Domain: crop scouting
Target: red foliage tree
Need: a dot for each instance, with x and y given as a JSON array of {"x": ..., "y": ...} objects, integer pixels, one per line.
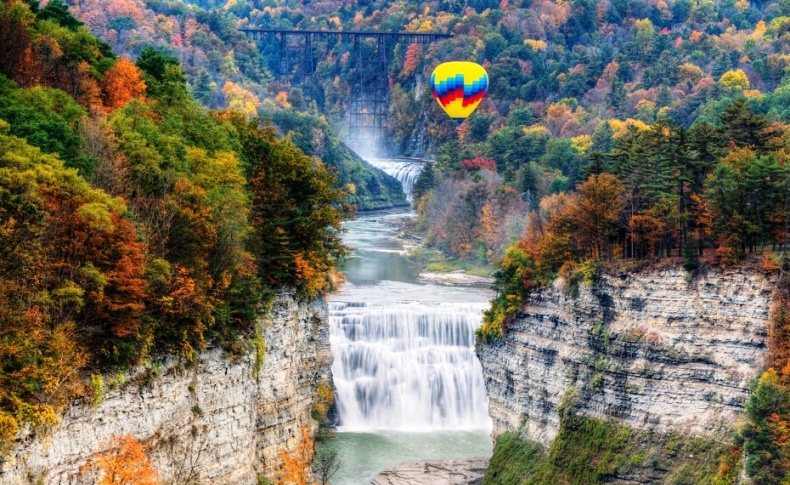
[
  {"x": 478, "y": 163},
  {"x": 412, "y": 58}
]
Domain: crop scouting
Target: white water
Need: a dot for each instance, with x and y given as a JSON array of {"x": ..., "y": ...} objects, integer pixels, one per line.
[
  {"x": 407, "y": 365},
  {"x": 406, "y": 171}
]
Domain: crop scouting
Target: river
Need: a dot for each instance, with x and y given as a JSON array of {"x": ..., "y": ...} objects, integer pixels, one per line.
[{"x": 408, "y": 384}]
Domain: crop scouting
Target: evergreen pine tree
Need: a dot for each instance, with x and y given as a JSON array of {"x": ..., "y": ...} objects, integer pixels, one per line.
[
  {"x": 425, "y": 182},
  {"x": 706, "y": 146},
  {"x": 744, "y": 128},
  {"x": 596, "y": 165},
  {"x": 721, "y": 65},
  {"x": 664, "y": 97},
  {"x": 602, "y": 137},
  {"x": 617, "y": 95},
  {"x": 203, "y": 87}
]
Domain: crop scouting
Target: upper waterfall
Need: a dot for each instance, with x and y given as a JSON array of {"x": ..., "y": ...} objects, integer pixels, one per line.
[{"x": 406, "y": 171}]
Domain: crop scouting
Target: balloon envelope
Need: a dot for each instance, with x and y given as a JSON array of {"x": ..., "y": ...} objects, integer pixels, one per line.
[{"x": 459, "y": 86}]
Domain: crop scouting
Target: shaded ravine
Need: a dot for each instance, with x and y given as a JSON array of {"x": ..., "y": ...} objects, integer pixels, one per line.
[{"x": 408, "y": 384}]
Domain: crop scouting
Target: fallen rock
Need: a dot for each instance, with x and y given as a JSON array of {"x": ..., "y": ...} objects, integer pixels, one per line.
[{"x": 461, "y": 471}]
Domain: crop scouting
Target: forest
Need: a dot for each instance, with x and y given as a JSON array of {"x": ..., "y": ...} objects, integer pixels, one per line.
[
  {"x": 570, "y": 80},
  {"x": 135, "y": 223},
  {"x": 147, "y": 209}
]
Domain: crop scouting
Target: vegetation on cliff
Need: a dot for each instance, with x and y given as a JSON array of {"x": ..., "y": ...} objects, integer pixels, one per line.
[
  {"x": 134, "y": 222},
  {"x": 588, "y": 451},
  {"x": 661, "y": 191}
]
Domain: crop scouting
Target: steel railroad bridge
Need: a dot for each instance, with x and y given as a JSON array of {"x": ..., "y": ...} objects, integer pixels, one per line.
[{"x": 369, "y": 82}]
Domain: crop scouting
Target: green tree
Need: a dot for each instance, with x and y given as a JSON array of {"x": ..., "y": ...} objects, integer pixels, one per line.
[
  {"x": 767, "y": 409},
  {"x": 47, "y": 118},
  {"x": 617, "y": 95},
  {"x": 746, "y": 129},
  {"x": 58, "y": 11},
  {"x": 163, "y": 76},
  {"x": 204, "y": 87},
  {"x": 425, "y": 182},
  {"x": 296, "y": 211}
]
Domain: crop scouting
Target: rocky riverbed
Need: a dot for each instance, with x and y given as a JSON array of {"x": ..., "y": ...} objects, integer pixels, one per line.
[
  {"x": 456, "y": 278},
  {"x": 466, "y": 471}
]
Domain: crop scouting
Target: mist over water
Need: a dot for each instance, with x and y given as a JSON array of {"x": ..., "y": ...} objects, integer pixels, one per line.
[{"x": 404, "y": 170}]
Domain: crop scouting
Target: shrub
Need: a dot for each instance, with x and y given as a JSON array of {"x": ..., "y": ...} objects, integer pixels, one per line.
[
  {"x": 97, "y": 390},
  {"x": 8, "y": 431}
]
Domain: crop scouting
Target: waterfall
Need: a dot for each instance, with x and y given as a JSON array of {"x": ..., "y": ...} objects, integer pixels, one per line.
[
  {"x": 407, "y": 365},
  {"x": 406, "y": 171}
]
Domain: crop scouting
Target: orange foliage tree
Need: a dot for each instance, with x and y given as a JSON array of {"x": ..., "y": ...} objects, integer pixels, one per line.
[
  {"x": 122, "y": 461},
  {"x": 597, "y": 213},
  {"x": 15, "y": 21},
  {"x": 295, "y": 466},
  {"x": 122, "y": 83}
]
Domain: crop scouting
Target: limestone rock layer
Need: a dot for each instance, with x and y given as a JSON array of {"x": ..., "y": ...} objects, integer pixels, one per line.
[
  {"x": 658, "y": 350},
  {"x": 213, "y": 422}
]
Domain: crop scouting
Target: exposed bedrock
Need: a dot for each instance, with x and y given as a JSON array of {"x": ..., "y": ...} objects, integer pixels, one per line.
[
  {"x": 214, "y": 422},
  {"x": 656, "y": 350}
]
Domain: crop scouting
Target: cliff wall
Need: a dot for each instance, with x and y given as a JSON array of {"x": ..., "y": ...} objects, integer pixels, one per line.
[
  {"x": 658, "y": 351},
  {"x": 213, "y": 422}
]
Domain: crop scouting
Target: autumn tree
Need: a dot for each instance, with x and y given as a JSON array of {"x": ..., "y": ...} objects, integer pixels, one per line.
[
  {"x": 296, "y": 211},
  {"x": 597, "y": 213},
  {"x": 18, "y": 60},
  {"x": 71, "y": 270},
  {"x": 294, "y": 468},
  {"x": 412, "y": 58},
  {"x": 121, "y": 460},
  {"x": 122, "y": 83}
]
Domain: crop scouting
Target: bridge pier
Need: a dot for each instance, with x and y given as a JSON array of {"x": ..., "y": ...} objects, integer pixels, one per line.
[{"x": 366, "y": 115}]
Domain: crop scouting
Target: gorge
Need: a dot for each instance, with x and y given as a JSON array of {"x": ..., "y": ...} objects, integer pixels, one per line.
[
  {"x": 658, "y": 351},
  {"x": 177, "y": 206}
]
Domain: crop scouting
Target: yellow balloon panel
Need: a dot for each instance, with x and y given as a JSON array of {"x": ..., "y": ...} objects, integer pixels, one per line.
[{"x": 458, "y": 87}]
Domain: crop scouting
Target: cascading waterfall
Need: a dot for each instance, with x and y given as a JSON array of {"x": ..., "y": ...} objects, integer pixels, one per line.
[
  {"x": 407, "y": 365},
  {"x": 405, "y": 171}
]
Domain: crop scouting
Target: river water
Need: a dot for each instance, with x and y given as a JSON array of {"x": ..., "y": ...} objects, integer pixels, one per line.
[{"x": 408, "y": 384}]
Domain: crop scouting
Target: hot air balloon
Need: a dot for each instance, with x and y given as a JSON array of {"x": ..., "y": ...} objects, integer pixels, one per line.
[{"x": 459, "y": 86}]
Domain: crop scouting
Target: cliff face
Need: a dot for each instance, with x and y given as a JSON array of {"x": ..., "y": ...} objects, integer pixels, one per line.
[
  {"x": 657, "y": 350},
  {"x": 213, "y": 423}
]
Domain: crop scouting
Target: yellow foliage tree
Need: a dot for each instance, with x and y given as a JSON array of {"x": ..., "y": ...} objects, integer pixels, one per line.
[
  {"x": 691, "y": 73},
  {"x": 582, "y": 143},
  {"x": 241, "y": 100},
  {"x": 535, "y": 45},
  {"x": 8, "y": 431},
  {"x": 735, "y": 79}
]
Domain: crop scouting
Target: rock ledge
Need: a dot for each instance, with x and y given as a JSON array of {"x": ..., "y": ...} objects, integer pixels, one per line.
[{"x": 461, "y": 471}]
